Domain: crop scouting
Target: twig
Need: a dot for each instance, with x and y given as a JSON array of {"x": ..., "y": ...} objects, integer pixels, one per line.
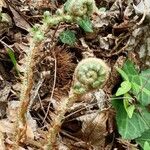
[{"x": 53, "y": 88}]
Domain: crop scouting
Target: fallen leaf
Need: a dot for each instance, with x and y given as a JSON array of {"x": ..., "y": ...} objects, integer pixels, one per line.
[
  {"x": 19, "y": 20},
  {"x": 6, "y": 126},
  {"x": 12, "y": 110},
  {"x": 94, "y": 128},
  {"x": 2, "y": 4},
  {"x": 4, "y": 92},
  {"x": 31, "y": 127},
  {"x": 2, "y": 141}
]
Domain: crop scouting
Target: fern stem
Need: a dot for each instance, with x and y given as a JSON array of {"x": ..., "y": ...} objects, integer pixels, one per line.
[
  {"x": 27, "y": 84},
  {"x": 90, "y": 74},
  {"x": 57, "y": 122},
  {"x": 65, "y": 15}
]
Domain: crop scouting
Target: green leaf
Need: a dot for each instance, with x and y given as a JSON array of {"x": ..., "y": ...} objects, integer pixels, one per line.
[
  {"x": 129, "y": 107},
  {"x": 131, "y": 128},
  {"x": 12, "y": 57},
  {"x": 146, "y": 146},
  {"x": 123, "y": 74},
  {"x": 141, "y": 89},
  {"x": 85, "y": 24},
  {"x": 67, "y": 37},
  {"x": 129, "y": 69},
  {"x": 140, "y": 82},
  {"x": 145, "y": 73},
  {"x": 125, "y": 87},
  {"x": 144, "y": 138}
]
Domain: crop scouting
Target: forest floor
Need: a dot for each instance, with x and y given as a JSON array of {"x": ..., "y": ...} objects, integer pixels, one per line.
[{"x": 38, "y": 66}]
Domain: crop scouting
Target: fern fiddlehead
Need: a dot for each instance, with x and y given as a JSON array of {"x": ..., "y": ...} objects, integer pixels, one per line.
[
  {"x": 91, "y": 73},
  {"x": 74, "y": 10},
  {"x": 79, "y": 8}
]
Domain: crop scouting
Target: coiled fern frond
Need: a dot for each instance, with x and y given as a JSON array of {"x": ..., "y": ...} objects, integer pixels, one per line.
[
  {"x": 80, "y": 7},
  {"x": 90, "y": 74}
]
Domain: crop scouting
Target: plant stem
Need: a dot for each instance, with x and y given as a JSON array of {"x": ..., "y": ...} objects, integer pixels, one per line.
[
  {"x": 27, "y": 84},
  {"x": 57, "y": 122}
]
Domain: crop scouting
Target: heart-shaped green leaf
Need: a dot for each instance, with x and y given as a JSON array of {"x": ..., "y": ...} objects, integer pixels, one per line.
[
  {"x": 129, "y": 107},
  {"x": 140, "y": 82},
  {"x": 144, "y": 138},
  {"x": 129, "y": 69},
  {"x": 123, "y": 74},
  {"x": 131, "y": 128},
  {"x": 141, "y": 89},
  {"x": 125, "y": 87}
]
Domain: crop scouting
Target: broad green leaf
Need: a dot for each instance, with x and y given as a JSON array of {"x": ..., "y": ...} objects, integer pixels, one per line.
[
  {"x": 145, "y": 73},
  {"x": 140, "y": 82},
  {"x": 123, "y": 74},
  {"x": 129, "y": 107},
  {"x": 85, "y": 24},
  {"x": 68, "y": 37},
  {"x": 144, "y": 138},
  {"x": 131, "y": 128},
  {"x": 141, "y": 89},
  {"x": 125, "y": 87},
  {"x": 129, "y": 69}
]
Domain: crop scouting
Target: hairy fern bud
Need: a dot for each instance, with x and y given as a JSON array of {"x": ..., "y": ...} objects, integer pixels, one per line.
[
  {"x": 80, "y": 8},
  {"x": 90, "y": 74}
]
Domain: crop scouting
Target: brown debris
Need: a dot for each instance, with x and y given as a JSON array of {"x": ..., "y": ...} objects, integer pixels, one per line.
[
  {"x": 120, "y": 33},
  {"x": 64, "y": 72}
]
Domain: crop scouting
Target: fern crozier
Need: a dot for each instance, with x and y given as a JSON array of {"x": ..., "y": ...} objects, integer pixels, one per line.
[
  {"x": 91, "y": 73},
  {"x": 80, "y": 7}
]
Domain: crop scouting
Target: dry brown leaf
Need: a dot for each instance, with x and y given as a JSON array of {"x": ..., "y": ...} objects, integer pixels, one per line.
[
  {"x": 94, "y": 128},
  {"x": 19, "y": 20},
  {"x": 62, "y": 146},
  {"x": 2, "y": 145},
  {"x": 12, "y": 110},
  {"x": 12, "y": 117},
  {"x": 21, "y": 148},
  {"x": 3, "y": 106},
  {"x": 31, "y": 127},
  {"x": 6, "y": 126},
  {"x": 5, "y": 23},
  {"x": 4, "y": 92},
  {"x": 29, "y": 132},
  {"x": 127, "y": 145},
  {"x": 2, "y": 4}
]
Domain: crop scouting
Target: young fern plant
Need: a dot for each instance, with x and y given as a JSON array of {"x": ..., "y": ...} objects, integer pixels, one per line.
[
  {"x": 66, "y": 14},
  {"x": 80, "y": 8},
  {"x": 90, "y": 74}
]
